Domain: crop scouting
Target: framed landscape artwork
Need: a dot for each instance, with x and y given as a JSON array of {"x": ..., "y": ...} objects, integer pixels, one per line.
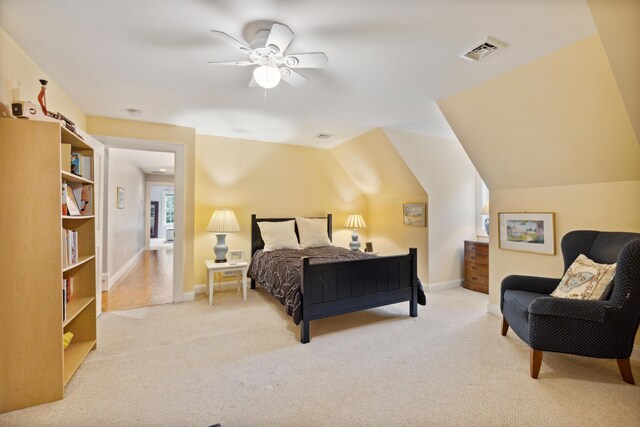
[
  {"x": 527, "y": 232},
  {"x": 415, "y": 214}
]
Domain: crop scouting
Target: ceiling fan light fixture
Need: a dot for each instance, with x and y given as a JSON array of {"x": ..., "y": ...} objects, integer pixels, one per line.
[{"x": 267, "y": 76}]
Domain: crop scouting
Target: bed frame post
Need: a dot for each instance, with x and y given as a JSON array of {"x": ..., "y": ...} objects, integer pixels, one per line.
[
  {"x": 254, "y": 224},
  {"x": 413, "y": 303},
  {"x": 304, "y": 322}
]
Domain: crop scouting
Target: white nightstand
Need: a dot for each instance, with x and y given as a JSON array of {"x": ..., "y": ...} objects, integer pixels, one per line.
[{"x": 221, "y": 267}]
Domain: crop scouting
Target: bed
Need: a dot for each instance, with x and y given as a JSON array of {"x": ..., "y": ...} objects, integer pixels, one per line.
[{"x": 316, "y": 283}]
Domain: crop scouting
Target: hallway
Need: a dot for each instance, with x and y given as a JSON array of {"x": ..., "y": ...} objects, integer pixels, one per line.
[{"x": 148, "y": 282}]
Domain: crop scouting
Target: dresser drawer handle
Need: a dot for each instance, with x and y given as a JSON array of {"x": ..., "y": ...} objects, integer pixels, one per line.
[
  {"x": 474, "y": 278},
  {"x": 474, "y": 267},
  {"x": 472, "y": 248},
  {"x": 473, "y": 257}
]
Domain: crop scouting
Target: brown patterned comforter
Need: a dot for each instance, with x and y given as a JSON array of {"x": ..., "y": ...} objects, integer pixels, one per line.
[{"x": 279, "y": 272}]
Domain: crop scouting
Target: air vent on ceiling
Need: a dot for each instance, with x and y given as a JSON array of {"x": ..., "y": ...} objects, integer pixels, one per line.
[
  {"x": 159, "y": 171},
  {"x": 324, "y": 135},
  {"x": 482, "y": 50}
]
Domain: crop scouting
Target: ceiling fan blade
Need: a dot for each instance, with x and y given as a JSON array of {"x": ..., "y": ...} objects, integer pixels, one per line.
[
  {"x": 231, "y": 41},
  {"x": 253, "y": 83},
  {"x": 239, "y": 63},
  {"x": 280, "y": 37},
  {"x": 306, "y": 60},
  {"x": 293, "y": 78}
]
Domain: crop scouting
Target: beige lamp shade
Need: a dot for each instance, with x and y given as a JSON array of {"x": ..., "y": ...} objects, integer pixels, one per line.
[
  {"x": 223, "y": 221},
  {"x": 355, "y": 220}
]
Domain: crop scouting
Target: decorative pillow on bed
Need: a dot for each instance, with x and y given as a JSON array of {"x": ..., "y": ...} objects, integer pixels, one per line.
[
  {"x": 313, "y": 232},
  {"x": 585, "y": 279},
  {"x": 279, "y": 235}
]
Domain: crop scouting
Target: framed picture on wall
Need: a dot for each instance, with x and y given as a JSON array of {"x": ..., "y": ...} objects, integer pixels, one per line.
[
  {"x": 527, "y": 232},
  {"x": 120, "y": 198},
  {"x": 415, "y": 214}
]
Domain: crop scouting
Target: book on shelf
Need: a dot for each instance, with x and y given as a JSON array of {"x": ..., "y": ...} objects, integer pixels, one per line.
[
  {"x": 86, "y": 167},
  {"x": 67, "y": 283},
  {"x": 76, "y": 163},
  {"x": 84, "y": 194},
  {"x": 64, "y": 304},
  {"x": 72, "y": 203},
  {"x": 69, "y": 247}
]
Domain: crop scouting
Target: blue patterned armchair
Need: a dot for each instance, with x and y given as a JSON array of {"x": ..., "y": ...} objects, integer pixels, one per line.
[{"x": 603, "y": 329}]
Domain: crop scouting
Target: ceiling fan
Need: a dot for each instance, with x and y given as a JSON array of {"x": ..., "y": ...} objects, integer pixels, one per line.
[{"x": 267, "y": 53}]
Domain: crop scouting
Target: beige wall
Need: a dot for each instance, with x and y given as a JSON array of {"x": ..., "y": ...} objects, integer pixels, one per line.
[
  {"x": 446, "y": 173},
  {"x": 169, "y": 134},
  {"x": 558, "y": 120},
  {"x": 383, "y": 176},
  {"x": 270, "y": 180},
  {"x": 125, "y": 227},
  {"x": 19, "y": 77},
  {"x": 618, "y": 23}
]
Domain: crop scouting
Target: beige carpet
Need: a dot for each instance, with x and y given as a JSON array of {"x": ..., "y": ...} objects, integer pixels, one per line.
[{"x": 240, "y": 364}]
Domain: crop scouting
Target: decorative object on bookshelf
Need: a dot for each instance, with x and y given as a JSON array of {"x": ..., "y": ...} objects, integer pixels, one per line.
[
  {"x": 42, "y": 97},
  {"x": 120, "y": 198},
  {"x": 72, "y": 203},
  {"x": 66, "y": 339}
]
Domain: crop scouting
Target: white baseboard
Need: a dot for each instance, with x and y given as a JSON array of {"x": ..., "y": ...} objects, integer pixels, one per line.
[
  {"x": 494, "y": 309},
  {"x": 200, "y": 289},
  {"x": 448, "y": 284},
  {"x": 186, "y": 296},
  {"x": 113, "y": 279},
  {"x": 104, "y": 282}
]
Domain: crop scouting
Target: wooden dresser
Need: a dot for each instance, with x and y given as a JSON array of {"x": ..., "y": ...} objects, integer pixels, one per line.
[{"x": 476, "y": 266}]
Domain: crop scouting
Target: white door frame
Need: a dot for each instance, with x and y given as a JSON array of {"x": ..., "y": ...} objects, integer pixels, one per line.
[{"x": 180, "y": 191}]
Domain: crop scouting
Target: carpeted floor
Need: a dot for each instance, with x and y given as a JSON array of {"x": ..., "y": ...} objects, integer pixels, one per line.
[{"x": 241, "y": 364}]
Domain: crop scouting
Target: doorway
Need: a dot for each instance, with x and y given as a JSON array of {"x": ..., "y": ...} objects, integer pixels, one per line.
[{"x": 138, "y": 274}]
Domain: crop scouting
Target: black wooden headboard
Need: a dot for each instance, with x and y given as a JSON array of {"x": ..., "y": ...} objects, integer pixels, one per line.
[{"x": 256, "y": 237}]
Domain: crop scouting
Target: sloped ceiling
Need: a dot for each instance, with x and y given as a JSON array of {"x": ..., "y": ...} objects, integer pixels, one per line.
[
  {"x": 618, "y": 24},
  {"x": 558, "y": 120}
]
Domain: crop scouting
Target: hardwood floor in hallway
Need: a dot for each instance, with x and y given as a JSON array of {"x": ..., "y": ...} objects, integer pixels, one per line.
[{"x": 148, "y": 282}]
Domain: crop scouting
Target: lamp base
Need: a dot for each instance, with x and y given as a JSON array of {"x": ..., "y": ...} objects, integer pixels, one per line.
[
  {"x": 220, "y": 249},
  {"x": 354, "y": 244}
]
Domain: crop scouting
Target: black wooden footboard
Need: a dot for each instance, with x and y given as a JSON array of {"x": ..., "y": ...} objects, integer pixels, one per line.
[{"x": 343, "y": 287}]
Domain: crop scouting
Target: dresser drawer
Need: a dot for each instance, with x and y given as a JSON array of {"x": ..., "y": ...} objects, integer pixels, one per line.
[
  {"x": 476, "y": 258},
  {"x": 473, "y": 268},
  {"x": 480, "y": 279},
  {"x": 478, "y": 248}
]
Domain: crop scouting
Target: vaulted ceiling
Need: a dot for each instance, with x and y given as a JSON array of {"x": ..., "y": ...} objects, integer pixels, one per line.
[{"x": 389, "y": 61}]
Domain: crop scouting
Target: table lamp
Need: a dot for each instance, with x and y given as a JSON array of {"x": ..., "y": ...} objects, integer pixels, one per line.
[
  {"x": 355, "y": 221},
  {"x": 222, "y": 221}
]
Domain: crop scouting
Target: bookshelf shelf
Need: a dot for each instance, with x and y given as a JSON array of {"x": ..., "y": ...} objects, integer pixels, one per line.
[
  {"x": 35, "y": 366},
  {"x": 81, "y": 260},
  {"x": 74, "y": 355},
  {"x": 69, "y": 177},
  {"x": 75, "y": 307}
]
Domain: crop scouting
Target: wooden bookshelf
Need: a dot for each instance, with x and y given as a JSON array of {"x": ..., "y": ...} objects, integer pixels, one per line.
[{"x": 35, "y": 367}]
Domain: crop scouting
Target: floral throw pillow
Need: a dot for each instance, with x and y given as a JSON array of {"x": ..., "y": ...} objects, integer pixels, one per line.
[{"x": 585, "y": 279}]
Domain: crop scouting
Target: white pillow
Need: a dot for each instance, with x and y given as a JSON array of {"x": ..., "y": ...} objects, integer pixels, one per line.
[
  {"x": 585, "y": 279},
  {"x": 313, "y": 232},
  {"x": 279, "y": 235}
]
